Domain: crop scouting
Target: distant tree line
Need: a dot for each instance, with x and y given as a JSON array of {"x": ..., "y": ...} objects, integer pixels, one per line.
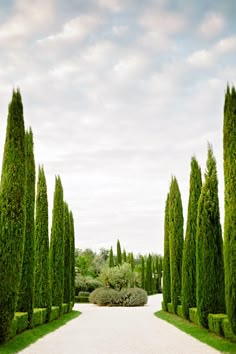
[{"x": 32, "y": 274}]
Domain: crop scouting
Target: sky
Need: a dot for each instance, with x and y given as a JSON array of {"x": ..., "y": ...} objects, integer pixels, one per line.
[{"x": 120, "y": 94}]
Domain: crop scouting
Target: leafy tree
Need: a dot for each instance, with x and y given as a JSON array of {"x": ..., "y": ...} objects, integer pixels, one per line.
[
  {"x": 166, "y": 260},
  {"x": 209, "y": 252},
  {"x": 230, "y": 203},
  {"x": 12, "y": 206},
  {"x": 176, "y": 241},
  {"x": 26, "y": 292},
  {"x": 189, "y": 252},
  {"x": 111, "y": 259},
  {"x": 72, "y": 248},
  {"x": 119, "y": 254},
  {"x": 67, "y": 255},
  {"x": 117, "y": 277},
  {"x": 42, "y": 280},
  {"x": 57, "y": 246}
]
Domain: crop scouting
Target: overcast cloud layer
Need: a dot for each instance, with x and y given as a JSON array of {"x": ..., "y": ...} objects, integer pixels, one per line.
[{"x": 119, "y": 94}]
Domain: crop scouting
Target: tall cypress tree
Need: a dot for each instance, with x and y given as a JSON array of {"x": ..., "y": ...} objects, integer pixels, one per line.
[
  {"x": 26, "y": 292},
  {"x": 148, "y": 278},
  {"x": 230, "y": 203},
  {"x": 124, "y": 256},
  {"x": 72, "y": 263},
  {"x": 166, "y": 261},
  {"x": 57, "y": 246},
  {"x": 176, "y": 241},
  {"x": 42, "y": 279},
  {"x": 142, "y": 273},
  {"x": 189, "y": 252},
  {"x": 209, "y": 251},
  {"x": 118, "y": 253},
  {"x": 67, "y": 255},
  {"x": 111, "y": 258},
  {"x": 12, "y": 206}
]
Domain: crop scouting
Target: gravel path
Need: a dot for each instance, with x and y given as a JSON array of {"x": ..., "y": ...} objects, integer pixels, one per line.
[{"x": 104, "y": 330}]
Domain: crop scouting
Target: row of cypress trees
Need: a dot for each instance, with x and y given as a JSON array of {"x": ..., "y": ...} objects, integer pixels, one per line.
[
  {"x": 31, "y": 274},
  {"x": 201, "y": 272}
]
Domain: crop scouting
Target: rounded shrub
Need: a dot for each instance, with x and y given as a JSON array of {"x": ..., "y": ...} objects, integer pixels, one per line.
[{"x": 125, "y": 297}]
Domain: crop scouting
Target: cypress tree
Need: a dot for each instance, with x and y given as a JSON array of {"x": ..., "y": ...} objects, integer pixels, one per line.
[
  {"x": 57, "y": 246},
  {"x": 26, "y": 292},
  {"x": 12, "y": 206},
  {"x": 72, "y": 263},
  {"x": 189, "y": 252},
  {"x": 209, "y": 251},
  {"x": 143, "y": 273},
  {"x": 166, "y": 261},
  {"x": 131, "y": 260},
  {"x": 111, "y": 258},
  {"x": 124, "y": 257},
  {"x": 42, "y": 279},
  {"x": 148, "y": 279},
  {"x": 119, "y": 254},
  {"x": 230, "y": 203},
  {"x": 176, "y": 241},
  {"x": 67, "y": 255}
]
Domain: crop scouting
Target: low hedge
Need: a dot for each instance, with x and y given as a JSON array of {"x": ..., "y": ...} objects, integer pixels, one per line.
[
  {"x": 170, "y": 307},
  {"x": 227, "y": 331},
  {"x": 54, "y": 313},
  {"x": 125, "y": 297},
  {"x": 180, "y": 311},
  {"x": 64, "y": 309},
  {"x": 22, "y": 321},
  {"x": 215, "y": 323},
  {"x": 163, "y": 306},
  {"x": 39, "y": 316},
  {"x": 83, "y": 297},
  {"x": 193, "y": 315}
]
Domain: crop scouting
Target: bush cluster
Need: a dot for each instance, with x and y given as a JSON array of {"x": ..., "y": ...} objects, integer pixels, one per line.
[
  {"x": 125, "y": 297},
  {"x": 86, "y": 284}
]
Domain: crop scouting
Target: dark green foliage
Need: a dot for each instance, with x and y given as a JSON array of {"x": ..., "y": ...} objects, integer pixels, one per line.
[
  {"x": 166, "y": 261},
  {"x": 39, "y": 316},
  {"x": 67, "y": 255},
  {"x": 180, "y": 310},
  {"x": 143, "y": 273},
  {"x": 215, "y": 323},
  {"x": 42, "y": 282},
  {"x": 124, "y": 256},
  {"x": 131, "y": 260},
  {"x": 22, "y": 321},
  {"x": 170, "y": 307},
  {"x": 86, "y": 284},
  {"x": 193, "y": 315},
  {"x": 119, "y": 254},
  {"x": 12, "y": 206},
  {"x": 57, "y": 246},
  {"x": 125, "y": 297},
  {"x": 209, "y": 252},
  {"x": 148, "y": 277},
  {"x": 111, "y": 258},
  {"x": 54, "y": 313},
  {"x": 189, "y": 252},
  {"x": 176, "y": 242},
  {"x": 72, "y": 250},
  {"x": 230, "y": 203},
  {"x": 26, "y": 292}
]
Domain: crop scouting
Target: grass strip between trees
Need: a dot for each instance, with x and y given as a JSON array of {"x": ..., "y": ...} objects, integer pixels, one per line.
[
  {"x": 200, "y": 333},
  {"x": 23, "y": 340}
]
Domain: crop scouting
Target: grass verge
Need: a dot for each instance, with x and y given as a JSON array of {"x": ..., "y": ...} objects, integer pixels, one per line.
[
  {"x": 202, "y": 334},
  {"x": 30, "y": 336}
]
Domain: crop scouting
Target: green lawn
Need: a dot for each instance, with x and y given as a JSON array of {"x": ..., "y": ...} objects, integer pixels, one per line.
[
  {"x": 28, "y": 337},
  {"x": 202, "y": 334}
]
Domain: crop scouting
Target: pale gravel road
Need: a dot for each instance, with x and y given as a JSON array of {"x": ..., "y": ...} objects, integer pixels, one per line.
[{"x": 117, "y": 330}]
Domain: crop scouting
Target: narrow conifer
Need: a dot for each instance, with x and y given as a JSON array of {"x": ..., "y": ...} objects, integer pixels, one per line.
[
  {"x": 230, "y": 203},
  {"x": 189, "y": 252},
  {"x": 72, "y": 263},
  {"x": 12, "y": 206},
  {"x": 176, "y": 241},
  {"x": 209, "y": 247},
  {"x": 111, "y": 258},
  {"x": 67, "y": 255},
  {"x": 57, "y": 246},
  {"x": 118, "y": 253},
  {"x": 26, "y": 292},
  {"x": 42, "y": 280},
  {"x": 166, "y": 261}
]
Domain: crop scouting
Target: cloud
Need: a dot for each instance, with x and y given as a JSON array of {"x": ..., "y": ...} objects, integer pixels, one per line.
[
  {"x": 226, "y": 45},
  {"x": 201, "y": 58},
  {"x": 76, "y": 29},
  {"x": 212, "y": 25},
  {"x": 111, "y": 5},
  {"x": 119, "y": 30}
]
